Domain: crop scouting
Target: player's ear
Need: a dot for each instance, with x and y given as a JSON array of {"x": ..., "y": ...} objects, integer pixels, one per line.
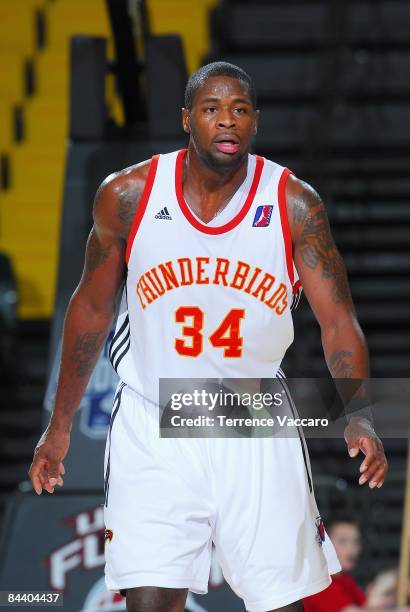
[
  {"x": 186, "y": 121},
  {"x": 255, "y": 122}
]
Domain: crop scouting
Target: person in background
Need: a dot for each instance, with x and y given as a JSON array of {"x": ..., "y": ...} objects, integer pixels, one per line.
[
  {"x": 381, "y": 592},
  {"x": 343, "y": 594}
]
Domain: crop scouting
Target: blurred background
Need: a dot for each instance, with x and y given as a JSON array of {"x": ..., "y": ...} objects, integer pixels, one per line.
[{"x": 88, "y": 87}]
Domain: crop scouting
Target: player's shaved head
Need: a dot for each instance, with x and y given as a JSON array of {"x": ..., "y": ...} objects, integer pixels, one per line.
[{"x": 217, "y": 69}]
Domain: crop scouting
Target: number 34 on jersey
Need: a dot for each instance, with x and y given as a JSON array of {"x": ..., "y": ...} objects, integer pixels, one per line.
[{"x": 227, "y": 336}]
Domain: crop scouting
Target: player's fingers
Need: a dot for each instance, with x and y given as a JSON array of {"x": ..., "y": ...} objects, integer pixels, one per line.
[
  {"x": 378, "y": 478},
  {"x": 367, "y": 462},
  {"x": 53, "y": 472},
  {"x": 369, "y": 449},
  {"x": 353, "y": 446},
  {"x": 46, "y": 484},
  {"x": 47, "y": 487},
  {"x": 367, "y": 466},
  {"x": 372, "y": 469},
  {"x": 37, "y": 486},
  {"x": 42, "y": 478},
  {"x": 54, "y": 476},
  {"x": 34, "y": 474},
  {"x": 374, "y": 461},
  {"x": 373, "y": 449},
  {"x": 354, "y": 450}
]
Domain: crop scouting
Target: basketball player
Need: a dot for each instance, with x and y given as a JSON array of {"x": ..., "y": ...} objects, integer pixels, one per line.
[{"x": 210, "y": 242}]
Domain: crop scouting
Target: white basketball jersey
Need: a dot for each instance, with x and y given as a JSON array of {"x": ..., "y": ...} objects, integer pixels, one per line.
[{"x": 206, "y": 300}]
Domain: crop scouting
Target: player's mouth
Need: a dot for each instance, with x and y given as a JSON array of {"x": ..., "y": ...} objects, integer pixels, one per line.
[{"x": 227, "y": 143}]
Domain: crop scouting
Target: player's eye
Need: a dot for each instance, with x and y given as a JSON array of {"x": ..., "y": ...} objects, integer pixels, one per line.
[
  {"x": 210, "y": 109},
  {"x": 240, "y": 110}
]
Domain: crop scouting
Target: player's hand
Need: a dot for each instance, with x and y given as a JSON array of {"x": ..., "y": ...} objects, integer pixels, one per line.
[
  {"x": 360, "y": 436},
  {"x": 47, "y": 468}
]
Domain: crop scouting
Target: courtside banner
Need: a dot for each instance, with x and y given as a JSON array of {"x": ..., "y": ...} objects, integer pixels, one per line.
[{"x": 281, "y": 407}]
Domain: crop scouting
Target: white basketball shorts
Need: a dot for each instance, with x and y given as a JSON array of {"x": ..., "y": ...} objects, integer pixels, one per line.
[{"x": 167, "y": 499}]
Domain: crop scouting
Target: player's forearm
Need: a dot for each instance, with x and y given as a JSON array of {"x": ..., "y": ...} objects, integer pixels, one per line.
[
  {"x": 345, "y": 350},
  {"x": 85, "y": 332},
  {"x": 347, "y": 358}
]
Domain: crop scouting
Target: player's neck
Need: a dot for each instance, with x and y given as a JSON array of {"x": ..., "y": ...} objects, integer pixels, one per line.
[
  {"x": 206, "y": 190},
  {"x": 210, "y": 179}
]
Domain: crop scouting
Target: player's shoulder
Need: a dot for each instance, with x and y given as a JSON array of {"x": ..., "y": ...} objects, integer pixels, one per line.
[
  {"x": 295, "y": 186},
  {"x": 303, "y": 204},
  {"x": 134, "y": 176},
  {"x": 272, "y": 170},
  {"x": 117, "y": 197},
  {"x": 300, "y": 193}
]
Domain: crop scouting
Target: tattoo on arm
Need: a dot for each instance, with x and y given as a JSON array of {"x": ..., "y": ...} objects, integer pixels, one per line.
[
  {"x": 316, "y": 244},
  {"x": 354, "y": 389},
  {"x": 86, "y": 350},
  {"x": 96, "y": 255},
  {"x": 340, "y": 364}
]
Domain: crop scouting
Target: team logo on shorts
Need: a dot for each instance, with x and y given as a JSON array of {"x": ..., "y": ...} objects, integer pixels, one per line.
[
  {"x": 108, "y": 535},
  {"x": 262, "y": 216},
  {"x": 320, "y": 526}
]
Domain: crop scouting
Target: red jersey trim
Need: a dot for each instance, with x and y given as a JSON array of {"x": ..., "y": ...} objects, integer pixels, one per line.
[
  {"x": 221, "y": 229},
  {"x": 287, "y": 237},
  {"x": 142, "y": 205}
]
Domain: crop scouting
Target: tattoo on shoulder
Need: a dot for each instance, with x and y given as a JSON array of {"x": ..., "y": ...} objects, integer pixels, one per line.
[
  {"x": 316, "y": 244},
  {"x": 302, "y": 203},
  {"x": 128, "y": 200},
  {"x": 339, "y": 364},
  {"x": 125, "y": 189}
]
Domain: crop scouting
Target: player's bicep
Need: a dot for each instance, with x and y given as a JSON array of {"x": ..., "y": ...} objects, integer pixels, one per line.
[
  {"x": 103, "y": 272},
  {"x": 104, "y": 263},
  {"x": 319, "y": 264},
  {"x": 322, "y": 291}
]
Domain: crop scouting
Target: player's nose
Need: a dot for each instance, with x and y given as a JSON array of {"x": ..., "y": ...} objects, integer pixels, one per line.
[{"x": 226, "y": 120}]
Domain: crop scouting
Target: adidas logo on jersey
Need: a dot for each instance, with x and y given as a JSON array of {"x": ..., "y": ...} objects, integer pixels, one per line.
[{"x": 163, "y": 214}]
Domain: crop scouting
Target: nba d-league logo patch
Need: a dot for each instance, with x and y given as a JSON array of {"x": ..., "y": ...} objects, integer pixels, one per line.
[
  {"x": 320, "y": 530},
  {"x": 262, "y": 216}
]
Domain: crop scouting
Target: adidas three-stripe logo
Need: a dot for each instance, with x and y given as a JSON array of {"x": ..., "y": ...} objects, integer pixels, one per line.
[
  {"x": 120, "y": 344},
  {"x": 163, "y": 214}
]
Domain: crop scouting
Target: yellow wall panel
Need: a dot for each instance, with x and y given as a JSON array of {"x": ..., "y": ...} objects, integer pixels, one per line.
[
  {"x": 30, "y": 211},
  {"x": 17, "y": 27},
  {"x": 187, "y": 18},
  {"x": 6, "y": 126}
]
